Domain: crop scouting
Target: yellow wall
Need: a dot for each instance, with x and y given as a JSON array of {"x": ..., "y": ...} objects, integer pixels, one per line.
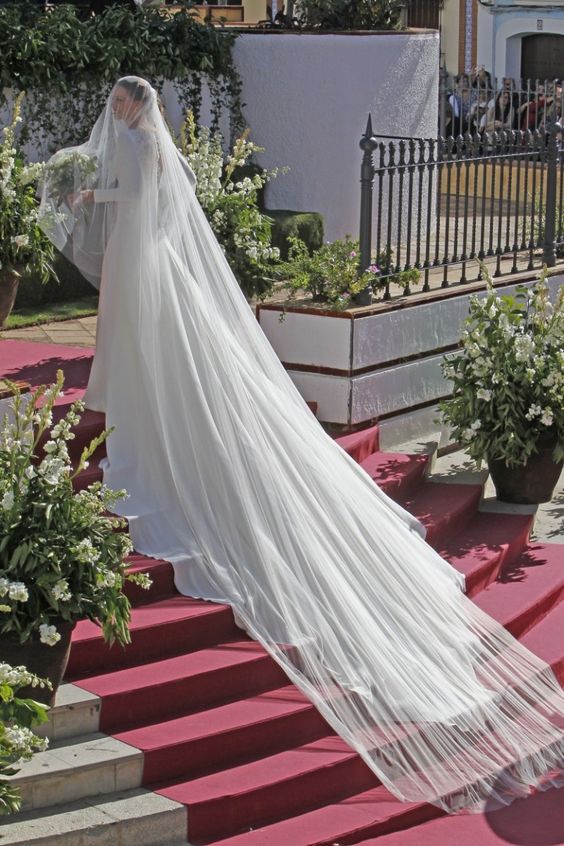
[
  {"x": 255, "y": 10},
  {"x": 450, "y": 34}
]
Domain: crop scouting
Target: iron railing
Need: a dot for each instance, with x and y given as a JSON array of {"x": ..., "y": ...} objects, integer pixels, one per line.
[{"x": 440, "y": 209}]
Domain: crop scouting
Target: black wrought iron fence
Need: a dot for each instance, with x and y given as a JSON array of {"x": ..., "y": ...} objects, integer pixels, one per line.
[{"x": 434, "y": 211}]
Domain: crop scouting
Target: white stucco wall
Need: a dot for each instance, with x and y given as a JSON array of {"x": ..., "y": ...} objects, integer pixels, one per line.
[
  {"x": 307, "y": 101},
  {"x": 500, "y": 35}
]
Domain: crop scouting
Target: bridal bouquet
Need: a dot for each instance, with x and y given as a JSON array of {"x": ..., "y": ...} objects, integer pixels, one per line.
[
  {"x": 68, "y": 172},
  {"x": 61, "y": 557}
]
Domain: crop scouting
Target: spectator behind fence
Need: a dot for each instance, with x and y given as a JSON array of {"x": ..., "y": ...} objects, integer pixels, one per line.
[
  {"x": 482, "y": 78},
  {"x": 499, "y": 116},
  {"x": 460, "y": 102},
  {"x": 534, "y": 111},
  {"x": 478, "y": 111}
]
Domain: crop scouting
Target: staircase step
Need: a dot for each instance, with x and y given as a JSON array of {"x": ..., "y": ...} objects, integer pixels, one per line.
[
  {"x": 489, "y": 542},
  {"x": 443, "y": 508},
  {"x": 359, "y": 445},
  {"x": 78, "y": 767},
  {"x": 270, "y": 788},
  {"x": 546, "y": 639},
  {"x": 535, "y": 821},
  {"x": 202, "y": 742},
  {"x": 165, "y": 627},
  {"x": 162, "y": 578},
  {"x": 399, "y": 475},
  {"x": 128, "y": 818},
  {"x": 172, "y": 687},
  {"x": 76, "y": 712},
  {"x": 371, "y": 813},
  {"x": 527, "y": 589}
]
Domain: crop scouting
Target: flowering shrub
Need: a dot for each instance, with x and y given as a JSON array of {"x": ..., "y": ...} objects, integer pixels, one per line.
[
  {"x": 330, "y": 274},
  {"x": 22, "y": 243},
  {"x": 60, "y": 556},
  {"x": 508, "y": 389},
  {"x": 17, "y": 741},
  {"x": 230, "y": 204}
]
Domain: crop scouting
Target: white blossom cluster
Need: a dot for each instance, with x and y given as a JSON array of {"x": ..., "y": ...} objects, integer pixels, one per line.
[
  {"x": 509, "y": 381},
  {"x": 16, "y": 591}
]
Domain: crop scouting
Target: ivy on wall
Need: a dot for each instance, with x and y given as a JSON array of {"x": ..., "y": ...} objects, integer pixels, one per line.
[{"x": 68, "y": 63}]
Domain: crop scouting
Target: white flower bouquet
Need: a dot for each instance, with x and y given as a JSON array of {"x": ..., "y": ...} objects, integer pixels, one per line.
[
  {"x": 69, "y": 172},
  {"x": 508, "y": 381},
  {"x": 61, "y": 558}
]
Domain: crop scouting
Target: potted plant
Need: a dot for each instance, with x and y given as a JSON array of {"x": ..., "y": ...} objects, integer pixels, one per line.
[
  {"x": 62, "y": 559},
  {"x": 23, "y": 246},
  {"x": 508, "y": 390},
  {"x": 17, "y": 717}
]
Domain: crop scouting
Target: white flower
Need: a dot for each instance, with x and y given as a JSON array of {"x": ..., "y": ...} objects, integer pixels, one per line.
[
  {"x": 85, "y": 552},
  {"x": 60, "y": 591},
  {"x": 18, "y": 592},
  {"x": 534, "y": 411},
  {"x": 21, "y": 240},
  {"x": 547, "y": 418},
  {"x": 477, "y": 424},
  {"x": 484, "y": 394},
  {"x": 48, "y": 634},
  {"x": 4, "y": 587},
  {"x": 8, "y": 501},
  {"x": 108, "y": 579},
  {"x": 50, "y": 446},
  {"x": 29, "y": 472}
]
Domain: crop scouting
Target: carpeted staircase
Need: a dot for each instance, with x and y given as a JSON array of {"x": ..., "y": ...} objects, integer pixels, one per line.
[{"x": 210, "y": 723}]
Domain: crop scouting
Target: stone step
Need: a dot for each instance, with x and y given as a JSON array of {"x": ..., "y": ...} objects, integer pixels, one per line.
[
  {"x": 76, "y": 713},
  {"x": 77, "y": 768},
  {"x": 128, "y": 818}
]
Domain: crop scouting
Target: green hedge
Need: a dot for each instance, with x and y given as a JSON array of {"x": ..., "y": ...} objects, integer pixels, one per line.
[
  {"x": 71, "y": 286},
  {"x": 68, "y": 64},
  {"x": 308, "y": 226}
]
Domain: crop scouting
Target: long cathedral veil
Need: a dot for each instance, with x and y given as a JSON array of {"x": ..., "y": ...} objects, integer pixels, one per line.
[{"x": 232, "y": 479}]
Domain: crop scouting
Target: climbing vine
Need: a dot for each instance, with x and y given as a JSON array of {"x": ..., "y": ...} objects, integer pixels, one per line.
[{"x": 67, "y": 64}]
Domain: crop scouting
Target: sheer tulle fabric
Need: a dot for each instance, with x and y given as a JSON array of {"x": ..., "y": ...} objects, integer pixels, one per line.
[{"x": 231, "y": 478}]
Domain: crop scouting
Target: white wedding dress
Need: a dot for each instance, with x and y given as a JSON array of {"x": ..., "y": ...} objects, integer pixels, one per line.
[{"x": 231, "y": 479}]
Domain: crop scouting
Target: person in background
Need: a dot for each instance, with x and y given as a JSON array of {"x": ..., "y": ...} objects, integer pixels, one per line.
[{"x": 499, "y": 117}]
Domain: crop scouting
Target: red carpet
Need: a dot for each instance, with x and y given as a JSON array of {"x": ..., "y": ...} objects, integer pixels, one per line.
[{"x": 224, "y": 732}]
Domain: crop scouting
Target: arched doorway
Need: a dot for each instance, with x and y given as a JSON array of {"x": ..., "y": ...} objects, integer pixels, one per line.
[{"x": 542, "y": 57}]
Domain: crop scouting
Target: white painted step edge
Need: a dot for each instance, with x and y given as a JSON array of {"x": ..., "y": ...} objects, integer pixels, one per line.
[
  {"x": 128, "y": 818},
  {"x": 76, "y": 768},
  {"x": 76, "y": 712}
]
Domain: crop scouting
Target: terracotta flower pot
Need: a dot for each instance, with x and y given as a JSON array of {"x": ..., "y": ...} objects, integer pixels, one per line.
[
  {"x": 9, "y": 281},
  {"x": 48, "y": 662},
  {"x": 528, "y": 483}
]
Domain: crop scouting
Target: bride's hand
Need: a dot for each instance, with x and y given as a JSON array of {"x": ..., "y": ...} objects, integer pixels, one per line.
[{"x": 81, "y": 198}]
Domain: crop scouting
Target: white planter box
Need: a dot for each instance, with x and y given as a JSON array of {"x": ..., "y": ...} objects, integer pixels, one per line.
[{"x": 371, "y": 364}]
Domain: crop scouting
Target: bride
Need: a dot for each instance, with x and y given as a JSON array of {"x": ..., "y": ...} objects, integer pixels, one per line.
[{"x": 232, "y": 480}]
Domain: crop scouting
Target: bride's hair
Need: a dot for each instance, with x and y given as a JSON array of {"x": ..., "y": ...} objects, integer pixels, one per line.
[{"x": 138, "y": 89}]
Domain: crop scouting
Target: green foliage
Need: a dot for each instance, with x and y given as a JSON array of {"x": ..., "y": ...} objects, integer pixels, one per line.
[
  {"x": 67, "y": 284},
  {"x": 348, "y": 14},
  {"x": 329, "y": 274},
  {"x": 68, "y": 65},
  {"x": 307, "y": 226},
  {"x": 231, "y": 203},
  {"x": 508, "y": 382},
  {"x": 17, "y": 741},
  {"x": 60, "y": 556},
  {"x": 23, "y": 246}
]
